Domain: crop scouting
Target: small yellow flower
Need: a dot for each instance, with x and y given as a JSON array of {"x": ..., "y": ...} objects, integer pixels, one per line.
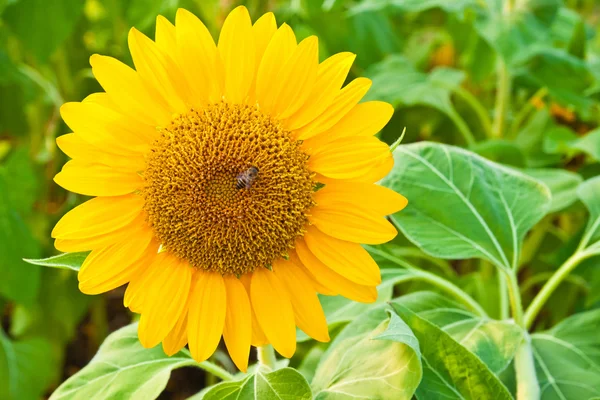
[{"x": 232, "y": 183}]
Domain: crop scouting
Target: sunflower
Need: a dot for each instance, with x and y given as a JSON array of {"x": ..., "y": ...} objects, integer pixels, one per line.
[{"x": 232, "y": 182}]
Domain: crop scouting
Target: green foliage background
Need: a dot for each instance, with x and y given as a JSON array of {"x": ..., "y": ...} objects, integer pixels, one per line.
[{"x": 515, "y": 83}]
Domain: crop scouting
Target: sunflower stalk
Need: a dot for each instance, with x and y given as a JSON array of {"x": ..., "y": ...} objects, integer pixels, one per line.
[{"x": 266, "y": 356}]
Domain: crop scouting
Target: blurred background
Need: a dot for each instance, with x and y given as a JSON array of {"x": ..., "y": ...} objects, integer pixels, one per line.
[{"x": 522, "y": 90}]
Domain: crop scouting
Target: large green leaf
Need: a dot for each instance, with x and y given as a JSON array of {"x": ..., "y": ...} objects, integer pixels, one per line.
[
  {"x": 589, "y": 193},
  {"x": 563, "y": 185},
  {"x": 43, "y": 25},
  {"x": 494, "y": 342},
  {"x": 27, "y": 367},
  {"x": 414, "y": 5},
  {"x": 283, "y": 384},
  {"x": 450, "y": 371},
  {"x": 123, "y": 369},
  {"x": 373, "y": 357},
  {"x": 481, "y": 209},
  {"x": 567, "y": 358}
]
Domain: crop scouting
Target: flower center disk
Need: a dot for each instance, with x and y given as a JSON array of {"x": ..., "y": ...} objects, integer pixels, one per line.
[{"x": 227, "y": 189}]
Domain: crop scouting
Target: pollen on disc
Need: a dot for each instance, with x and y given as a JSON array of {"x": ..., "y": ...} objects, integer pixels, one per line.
[{"x": 197, "y": 207}]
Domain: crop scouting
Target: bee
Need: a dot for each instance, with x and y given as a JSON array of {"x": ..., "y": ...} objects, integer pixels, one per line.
[{"x": 246, "y": 178}]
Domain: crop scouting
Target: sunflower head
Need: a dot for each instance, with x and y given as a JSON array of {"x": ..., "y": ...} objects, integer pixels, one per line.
[{"x": 232, "y": 182}]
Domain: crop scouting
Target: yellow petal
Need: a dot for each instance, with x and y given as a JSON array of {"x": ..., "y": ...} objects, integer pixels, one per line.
[
  {"x": 297, "y": 78},
  {"x": 365, "y": 119},
  {"x": 380, "y": 168},
  {"x": 315, "y": 282},
  {"x": 97, "y": 179},
  {"x": 237, "y": 333},
  {"x": 354, "y": 224},
  {"x": 98, "y": 216},
  {"x": 177, "y": 338},
  {"x": 77, "y": 148},
  {"x": 309, "y": 315},
  {"x": 158, "y": 72},
  {"x": 263, "y": 29},
  {"x": 378, "y": 199},
  {"x": 197, "y": 54},
  {"x": 165, "y": 297},
  {"x": 238, "y": 52},
  {"x": 345, "y": 258},
  {"x": 343, "y": 102},
  {"x": 206, "y": 320},
  {"x": 348, "y": 158},
  {"x": 279, "y": 50},
  {"x": 166, "y": 38},
  {"x": 274, "y": 311},
  {"x": 101, "y": 126},
  {"x": 111, "y": 267},
  {"x": 258, "y": 336},
  {"x": 125, "y": 88},
  {"x": 337, "y": 283},
  {"x": 331, "y": 75},
  {"x": 101, "y": 240}
]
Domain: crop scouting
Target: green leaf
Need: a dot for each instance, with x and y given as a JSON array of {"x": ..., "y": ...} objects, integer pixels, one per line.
[
  {"x": 589, "y": 193},
  {"x": 53, "y": 23},
  {"x": 373, "y": 357},
  {"x": 450, "y": 371},
  {"x": 492, "y": 206},
  {"x": 27, "y": 367},
  {"x": 562, "y": 184},
  {"x": 494, "y": 342},
  {"x": 567, "y": 358},
  {"x": 71, "y": 261},
  {"x": 283, "y": 384},
  {"x": 123, "y": 369},
  {"x": 396, "y": 81}
]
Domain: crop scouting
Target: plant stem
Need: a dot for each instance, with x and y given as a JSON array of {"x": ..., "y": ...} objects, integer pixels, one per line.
[
  {"x": 266, "y": 356},
  {"x": 553, "y": 283},
  {"x": 463, "y": 128},
  {"x": 215, "y": 370},
  {"x": 503, "y": 90},
  {"x": 435, "y": 280},
  {"x": 502, "y": 291},
  {"x": 527, "y": 383},
  {"x": 477, "y": 107},
  {"x": 452, "y": 289}
]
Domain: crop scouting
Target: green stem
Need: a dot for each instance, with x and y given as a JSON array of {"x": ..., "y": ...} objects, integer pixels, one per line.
[
  {"x": 463, "y": 128},
  {"x": 434, "y": 280},
  {"x": 527, "y": 383},
  {"x": 266, "y": 356},
  {"x": 550, "y": 286},
  {"x": 477, "y": 107},
  {"x": 502, "y": 294},
  {"x": 215, "y": 370},
  {"x": 452, "y": 289},
  {"x": 502, "y": 99},
  {"x": 514, "y": 295}
]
